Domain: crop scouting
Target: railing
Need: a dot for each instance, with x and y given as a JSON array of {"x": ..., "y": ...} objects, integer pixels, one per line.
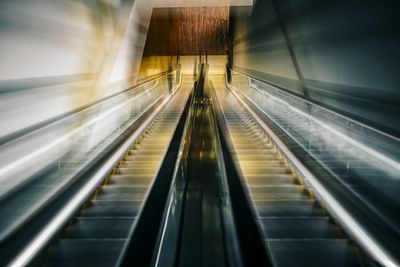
[
  {"x": 37, "y": 165},
  {"x": 362, "y": 159},
  {"x": 381, "y": 142},
  {"x": 26, "y": 131}
]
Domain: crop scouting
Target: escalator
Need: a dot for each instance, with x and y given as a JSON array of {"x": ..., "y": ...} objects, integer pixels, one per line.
[
  {"x": 170, "y": 201},
  {"x": 96, "y": 236},
  {"x": 296, "y": 228}
]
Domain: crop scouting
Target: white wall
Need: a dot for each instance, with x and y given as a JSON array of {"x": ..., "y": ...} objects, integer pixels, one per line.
[{"x": 58, "y": 55}]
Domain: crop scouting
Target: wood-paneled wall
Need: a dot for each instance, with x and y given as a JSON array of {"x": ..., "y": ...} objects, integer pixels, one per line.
[{"x": 188, "y": 31}]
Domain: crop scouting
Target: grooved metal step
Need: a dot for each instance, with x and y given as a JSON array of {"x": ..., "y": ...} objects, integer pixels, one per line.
[
  {"x": 299, "y": 228},
  {"x": 110, "y": 208},
  {"x": 314, "y": 253},
  {"x": 100, "y": 228},
  {"x": 111, "y": 192},
  {"x": 84, "y": 252}
]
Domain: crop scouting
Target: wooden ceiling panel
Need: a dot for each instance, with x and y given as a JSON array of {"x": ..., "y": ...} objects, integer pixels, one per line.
[{"x": 188, "y": 31}]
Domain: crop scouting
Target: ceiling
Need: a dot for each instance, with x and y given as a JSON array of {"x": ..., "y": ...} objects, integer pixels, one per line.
[{"x": 188, "y": 31}]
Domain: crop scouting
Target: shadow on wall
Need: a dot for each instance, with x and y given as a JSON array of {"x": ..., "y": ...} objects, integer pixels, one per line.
[{"x": 341, "y": 54}]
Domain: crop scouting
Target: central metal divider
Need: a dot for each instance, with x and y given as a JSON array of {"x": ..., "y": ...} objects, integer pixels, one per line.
[
  {"x": 202, "y": 242},
  {"x": 199, "y": 228}
]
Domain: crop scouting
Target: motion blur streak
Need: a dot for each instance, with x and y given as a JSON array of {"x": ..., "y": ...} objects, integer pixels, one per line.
[
  {"x": 57, "y": 56},
  {"x": 44, "y": 149}
]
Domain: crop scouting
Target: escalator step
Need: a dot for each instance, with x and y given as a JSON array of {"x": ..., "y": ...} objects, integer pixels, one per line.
[
  {"x": 264, "y": 157},
  {"x": 310, "y": 253},
  {"x": 271, "y": 179},
  {"x": 136, "y": 163},
  {"x": 288, "y": 208},
  {"x": 136, "y": 171},
  {"x": 83, "y": 252},
  {"x": 99, "y": 228},
  {"x": 279, "y": 192},
  {"x": 110, "y": 192},
  {"x": 239, "y": 146},
  {"x": 260, "y": 170},
  {"x": 269, "y": 163},
  {"x": 299, "y": 227},
  {"x": 141, "y": 146},
  {"x": 117, "y": 208},
  {"x": 140, "y": 157},
  {"x": 147, "y": 152},
  {"x": 259, "y": 151},
  {"x": 137, "y": 180}
]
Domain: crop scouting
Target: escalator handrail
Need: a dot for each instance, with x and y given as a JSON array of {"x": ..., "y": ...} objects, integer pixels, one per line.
[
  {"x": 319, "y": 106},
  {"x": 30, "y": 156},
  {"x": 14, "y": 136},
  {"x": 55, "y": 224},
  {"x": 335, "y": 208}
]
